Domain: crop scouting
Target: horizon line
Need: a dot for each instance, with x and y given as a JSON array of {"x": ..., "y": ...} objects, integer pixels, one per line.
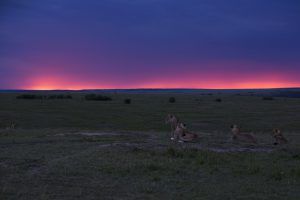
[{"x": 151, "y": 89}]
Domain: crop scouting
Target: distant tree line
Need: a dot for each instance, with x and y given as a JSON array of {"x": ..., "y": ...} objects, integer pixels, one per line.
[{"x": 52, "y": 96}]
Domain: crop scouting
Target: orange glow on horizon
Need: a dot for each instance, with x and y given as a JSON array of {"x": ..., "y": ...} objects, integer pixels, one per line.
[
  {"x": 157, "y": 85},
  {"x": 266, "y": 85},
  {"x": 55, "y": 83},
  {"x": 206, "y": 81}
]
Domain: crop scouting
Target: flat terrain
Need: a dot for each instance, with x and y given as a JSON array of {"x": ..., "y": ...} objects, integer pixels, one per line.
[{"x": 79, "y": 149}]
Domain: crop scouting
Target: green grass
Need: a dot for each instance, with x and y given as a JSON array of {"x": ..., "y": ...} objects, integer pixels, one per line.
[{"x": 48, "y": 156}]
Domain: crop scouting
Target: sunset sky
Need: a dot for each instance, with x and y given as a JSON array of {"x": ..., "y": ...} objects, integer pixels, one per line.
[{"x": 89, "y": 44}]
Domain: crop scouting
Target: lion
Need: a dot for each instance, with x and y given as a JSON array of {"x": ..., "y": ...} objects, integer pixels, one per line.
[
  {"x": 183, "y": 135},
  {"x": 243, "y": 137},
  {"x": 279, "y": 138},
  {"x": 173, "y": 121}
]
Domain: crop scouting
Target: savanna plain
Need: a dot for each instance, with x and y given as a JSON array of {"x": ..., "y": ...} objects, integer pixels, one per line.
[{"x": 76, "y": 148}]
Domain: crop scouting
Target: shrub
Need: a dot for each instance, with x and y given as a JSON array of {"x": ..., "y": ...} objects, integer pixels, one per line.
[
  {"x": 127, "y": 101},
  {"x": 94, "y": 97},
  {"x": 172, "y": 100},
  {"x": 218, "y": 100},
  {"x": 268, "y": 98},
  {"x": 29, "y": 96}
]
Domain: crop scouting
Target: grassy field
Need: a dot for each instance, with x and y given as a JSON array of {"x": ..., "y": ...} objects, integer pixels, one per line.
[{"x": 78, "y": 149}]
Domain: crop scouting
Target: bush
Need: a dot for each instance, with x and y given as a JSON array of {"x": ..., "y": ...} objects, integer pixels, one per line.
[
  {"x": 94, "y": 97},
  {"x": 172, "y": 100},
  {"x": 268, "y": 98},
  {"x": 218, "y": 100},
  {"x": 127, "y": 101},
  {"x": 29, "y": 96}
]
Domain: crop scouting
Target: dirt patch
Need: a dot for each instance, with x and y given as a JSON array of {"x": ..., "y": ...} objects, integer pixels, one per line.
[
  {"x": 127, "y": 144},
  {"x": 99, "y": 134},
  {"x": 154, "y": 141},
  {"x": 59, "y": 134},
  {"x": 89, "y": 134}
]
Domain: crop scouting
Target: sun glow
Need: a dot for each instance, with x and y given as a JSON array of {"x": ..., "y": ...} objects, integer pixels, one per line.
[
  {"x": 54, "y": 83},
  {"x": 253, "y": 85},
  {"x": 60, "y": 83}
]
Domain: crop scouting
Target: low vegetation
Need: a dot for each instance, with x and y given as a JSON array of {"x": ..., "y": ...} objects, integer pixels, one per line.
[
  {"x": 36, "y": 96},
  {"x": 95, "y": 97},
  {"x": 30, "y": 96},
  {"x": 218, "y": 100},
  {"x": 172, "y": 100},
  {"x": 127, "y": 101},
  {"x": 268, "y": 98}
]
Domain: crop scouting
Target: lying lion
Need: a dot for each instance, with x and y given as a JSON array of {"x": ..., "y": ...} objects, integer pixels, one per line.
[
  {"x": 183, "y": 135},
  {"x": 279, "y": 138},
  {"x": 242, "y": 137}
]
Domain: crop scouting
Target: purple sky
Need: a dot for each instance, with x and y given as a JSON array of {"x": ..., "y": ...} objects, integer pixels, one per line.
[{"x": 76, "y": 44}]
